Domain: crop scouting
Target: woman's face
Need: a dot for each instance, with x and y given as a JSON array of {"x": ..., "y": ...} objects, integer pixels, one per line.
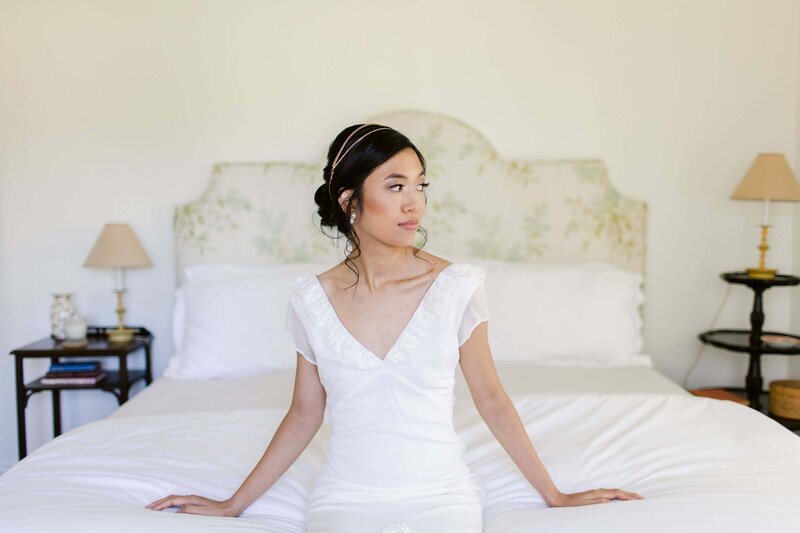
[{"x": 393, "y": 197}]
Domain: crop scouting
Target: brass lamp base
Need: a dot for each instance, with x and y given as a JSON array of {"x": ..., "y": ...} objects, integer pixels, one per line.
[
  {"x": 120, "y": 335},
  {"x": 761, "y": 273}
]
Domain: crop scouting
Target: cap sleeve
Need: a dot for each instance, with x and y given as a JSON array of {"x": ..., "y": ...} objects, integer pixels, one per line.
[
  {"x": 475, "y": 312},
  {"x": 293, "y": 326}
]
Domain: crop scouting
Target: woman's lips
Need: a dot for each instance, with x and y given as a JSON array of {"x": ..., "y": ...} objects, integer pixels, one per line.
[{"x": 409, "y": 226}]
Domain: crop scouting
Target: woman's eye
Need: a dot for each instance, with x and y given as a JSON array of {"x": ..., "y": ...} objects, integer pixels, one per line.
[{"x": 422, "y": 186}]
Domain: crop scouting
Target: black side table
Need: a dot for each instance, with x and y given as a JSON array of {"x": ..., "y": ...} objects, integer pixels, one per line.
[
  {"x": 749, "y": 341},
  {"x": 117, "y": 382}
]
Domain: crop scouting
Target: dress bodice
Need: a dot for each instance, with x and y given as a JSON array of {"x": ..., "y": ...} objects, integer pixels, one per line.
[{"x": 391, "y": 419}]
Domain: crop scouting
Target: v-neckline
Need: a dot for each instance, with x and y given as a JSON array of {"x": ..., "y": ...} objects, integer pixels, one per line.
[{"x": 403, "y": 332}]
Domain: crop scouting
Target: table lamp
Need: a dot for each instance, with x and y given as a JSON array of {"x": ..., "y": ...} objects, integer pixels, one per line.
[
  {"x": 769, "y": 178},
  {"x": 117, "y": 247}
]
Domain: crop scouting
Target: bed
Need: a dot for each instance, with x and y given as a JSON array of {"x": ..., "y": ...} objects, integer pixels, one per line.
[{"x": 568, "y": 351}]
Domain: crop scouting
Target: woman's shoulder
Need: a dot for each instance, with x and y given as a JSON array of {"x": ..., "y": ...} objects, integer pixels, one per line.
[
  {"x": 468, "y": 271},
  {"x": 454, "y": 267},
  {"x": 302, "y": 285},
  {"x": 335, "y": 278},
  {"x": 434, "y": 260},
  {"x": 311, "y": 278},
  {"x": 340, "y": 275}
]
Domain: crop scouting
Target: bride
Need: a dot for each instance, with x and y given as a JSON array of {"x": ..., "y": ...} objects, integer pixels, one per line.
[{"x": 378, "y": 337}]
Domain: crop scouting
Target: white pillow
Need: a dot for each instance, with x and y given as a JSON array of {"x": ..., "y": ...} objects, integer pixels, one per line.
[
  {"x": 584, "y": 315},
  {"x": 178, "y": 318},
  {"x": 232, "y": 326},
  {"x": 215, "y": 271},
  {"x": 208, "y": 271}
]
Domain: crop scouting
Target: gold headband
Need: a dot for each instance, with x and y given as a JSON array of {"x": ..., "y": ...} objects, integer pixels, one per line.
[{"x": 340, "y": 155}]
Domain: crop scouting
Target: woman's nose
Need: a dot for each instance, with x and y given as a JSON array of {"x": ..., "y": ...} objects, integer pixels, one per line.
[{"x": 412, "y": 201}]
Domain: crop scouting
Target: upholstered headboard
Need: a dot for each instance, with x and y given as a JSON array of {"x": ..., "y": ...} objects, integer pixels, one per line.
[{"x": 479, "y": 205}]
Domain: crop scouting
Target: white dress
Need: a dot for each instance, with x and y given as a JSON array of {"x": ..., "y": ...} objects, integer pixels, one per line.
[{"x": 394, "y": 462}]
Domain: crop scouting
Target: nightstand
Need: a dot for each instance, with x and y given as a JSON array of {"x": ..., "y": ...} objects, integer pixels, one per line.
[
  {"x": 749, "y": 341},
  {"x": 116, "y": 382}
]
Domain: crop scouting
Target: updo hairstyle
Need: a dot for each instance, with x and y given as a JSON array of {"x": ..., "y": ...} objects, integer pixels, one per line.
[{"x": 355, "y": 155}]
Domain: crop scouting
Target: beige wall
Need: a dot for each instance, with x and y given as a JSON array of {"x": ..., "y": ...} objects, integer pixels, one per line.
[
  {"x": 115, "y": 111},
  {"x": 794, "y": 362}
]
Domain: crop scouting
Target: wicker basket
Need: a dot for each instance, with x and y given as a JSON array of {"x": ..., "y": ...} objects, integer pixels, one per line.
[{"x": 784, "y": 398}]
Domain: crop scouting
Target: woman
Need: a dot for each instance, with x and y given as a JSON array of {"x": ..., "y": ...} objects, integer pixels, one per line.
[{"x": 378, "y": 337}]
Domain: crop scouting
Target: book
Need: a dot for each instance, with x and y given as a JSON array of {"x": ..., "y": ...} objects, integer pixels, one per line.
[
  {"x": 74, "y": 381},
  {"x": 91, "y": 374},
  {"x": 82, "y": 366},
  {"x": 720, "y": 394}
]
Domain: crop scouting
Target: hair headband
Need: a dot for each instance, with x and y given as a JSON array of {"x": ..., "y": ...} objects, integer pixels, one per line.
[{"x": 340, "y": 155}]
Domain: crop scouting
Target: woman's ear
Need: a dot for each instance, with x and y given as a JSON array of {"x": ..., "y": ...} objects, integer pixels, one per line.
[{"x": 344, "y": 198}]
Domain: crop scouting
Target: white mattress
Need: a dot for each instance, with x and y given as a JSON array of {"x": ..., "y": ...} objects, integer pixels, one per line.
[
  {"x": 700, "y": 464},
  {"x": 275, "y": 390}
]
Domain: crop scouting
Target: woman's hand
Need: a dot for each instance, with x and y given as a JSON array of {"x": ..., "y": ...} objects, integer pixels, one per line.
[
  {"x": 590, "y": 497},
  {"x": 196, "y": 505}
]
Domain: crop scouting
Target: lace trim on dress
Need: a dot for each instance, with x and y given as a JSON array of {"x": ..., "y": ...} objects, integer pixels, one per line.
[{"x": 352, "y": 352}]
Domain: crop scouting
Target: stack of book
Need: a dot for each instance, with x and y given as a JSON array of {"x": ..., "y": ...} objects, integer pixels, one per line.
[{"x": 78, "y": 373}]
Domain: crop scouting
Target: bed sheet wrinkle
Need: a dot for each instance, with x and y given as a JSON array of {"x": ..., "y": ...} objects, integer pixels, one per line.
[
  {"x": 670, "y": 448},
  {"x": 679, "y": 462},
  {"x": 688, "y": 456}
]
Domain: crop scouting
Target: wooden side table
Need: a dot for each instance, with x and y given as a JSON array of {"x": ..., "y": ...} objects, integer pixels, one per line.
[
  {"x": 749, "y": 341},
  {"x": 116, "y": 382}
]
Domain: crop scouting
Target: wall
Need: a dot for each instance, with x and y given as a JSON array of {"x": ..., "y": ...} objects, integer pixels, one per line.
[
  {"x": 115, "y": 111},
  {"x": 794, "y": 362}
]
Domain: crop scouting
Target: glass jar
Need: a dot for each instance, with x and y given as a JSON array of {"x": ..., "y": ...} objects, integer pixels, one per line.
[{"x": 61, "y": 308}]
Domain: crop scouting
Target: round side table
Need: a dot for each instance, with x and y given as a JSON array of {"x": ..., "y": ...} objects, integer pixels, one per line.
[{"x": 749, "y": 341}]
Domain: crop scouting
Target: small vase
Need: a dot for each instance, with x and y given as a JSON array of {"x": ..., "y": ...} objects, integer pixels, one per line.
[{"x": 61, "y": 309}]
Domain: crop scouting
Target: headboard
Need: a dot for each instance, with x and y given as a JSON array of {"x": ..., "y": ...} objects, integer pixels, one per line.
[{"x": 479, "y": 205}]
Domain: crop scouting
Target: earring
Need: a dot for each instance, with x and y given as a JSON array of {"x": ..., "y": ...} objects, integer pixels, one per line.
[{"x": 352, "y": 217}]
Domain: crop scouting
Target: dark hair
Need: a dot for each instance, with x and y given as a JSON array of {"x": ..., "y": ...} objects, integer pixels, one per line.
[{"x": 361, "y": 158}]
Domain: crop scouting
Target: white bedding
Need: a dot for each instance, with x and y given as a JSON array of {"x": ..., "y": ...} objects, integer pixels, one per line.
[
  {"x": 275, "y": 390},
  {"x": 701, "y": 464}
]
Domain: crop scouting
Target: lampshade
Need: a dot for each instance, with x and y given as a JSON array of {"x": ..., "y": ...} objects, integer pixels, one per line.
[
  {"x": 769, "y": 178},
  {"x": 117, "y": 247}
]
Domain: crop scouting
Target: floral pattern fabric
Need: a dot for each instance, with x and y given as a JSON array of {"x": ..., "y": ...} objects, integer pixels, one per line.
[{"x": 479, "y": 205}]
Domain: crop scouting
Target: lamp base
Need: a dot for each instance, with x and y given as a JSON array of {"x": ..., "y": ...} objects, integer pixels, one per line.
[
  {"x": 120, "y": 335},
  {"x": 761, "y": 273}
]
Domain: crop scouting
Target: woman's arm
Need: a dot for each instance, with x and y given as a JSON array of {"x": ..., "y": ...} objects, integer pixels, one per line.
[
  {"x": 502, "y": 418},
  {"x": 301, "y": 423}
]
